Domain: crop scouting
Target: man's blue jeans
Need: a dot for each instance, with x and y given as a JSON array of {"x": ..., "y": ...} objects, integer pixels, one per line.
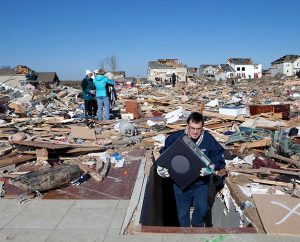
[
  {"x": 196, "y": 194},
  {"x": 103, "y": 101}
]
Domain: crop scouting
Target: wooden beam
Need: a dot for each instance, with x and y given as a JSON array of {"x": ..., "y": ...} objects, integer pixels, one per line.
[
  {"x": 14, "y": 159},
  {"x": 223, "y": 116},
  {"x": 272, "y": 183},
  {"x": 256, "y": 144},
  {"x": 279, "y": 157}
]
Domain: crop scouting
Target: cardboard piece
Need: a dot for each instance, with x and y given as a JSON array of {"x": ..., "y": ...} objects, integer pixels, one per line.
[
  {"x": 83, "y": 132},
  {"x": 279, "y": 214},
  {"x": 17, "y": 107}
]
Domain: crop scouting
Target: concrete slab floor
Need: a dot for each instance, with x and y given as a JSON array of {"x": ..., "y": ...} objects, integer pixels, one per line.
[{"x": 91, "y": 220}]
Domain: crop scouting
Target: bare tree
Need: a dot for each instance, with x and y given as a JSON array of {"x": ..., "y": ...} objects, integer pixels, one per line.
[{"x": 109, "y": 63}]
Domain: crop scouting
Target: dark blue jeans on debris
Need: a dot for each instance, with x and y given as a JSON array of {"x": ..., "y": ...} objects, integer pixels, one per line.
[{"x": 196, "y": 195}]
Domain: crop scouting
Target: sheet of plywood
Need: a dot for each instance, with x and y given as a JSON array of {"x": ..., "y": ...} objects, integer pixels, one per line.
[
  {"x": 82, "y": 132},
  {"x": 280, "y": 214}
]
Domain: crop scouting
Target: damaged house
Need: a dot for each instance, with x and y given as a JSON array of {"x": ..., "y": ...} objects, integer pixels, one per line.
[
  {"x": 48, "y": 77},
  {"x": 23, "y": 75},
  {"x": 245, "y": 68},
  {"x": 217, "y": 72},
  {"x": 287, "y": 65},
  {"x": 208, "y": 71},
  {"x": 14, "y": 77},
  {"x": 162, "y": 70}
]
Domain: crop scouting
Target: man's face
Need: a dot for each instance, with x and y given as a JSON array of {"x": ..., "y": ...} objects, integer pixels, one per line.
[{"x": 194, "y": 129}]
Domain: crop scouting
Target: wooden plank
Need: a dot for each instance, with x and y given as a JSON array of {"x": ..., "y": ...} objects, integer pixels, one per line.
[
  {"x": 249, "y": 171},
  {"x": 151, "y": 134},
  {"x": 221, "y": 125},
  {"x": 272, "y": 183},
  {"x": 15, "y": 159},
  {"x": 279, "y": 171},
  {"x": 279, "y": 157},
  {"x": 52, "y": 146},
  {"x": 240, "y": 197},
  {"x": 217, "y": 135},
  {"x": 256, "y": 144},
  {"x": 223, "y": 116},
  {"x": 94, "y": 174},
  {"x": 85, "y": 150},
  {"x": 40, "y": 144},
  {"x": 293, "y": 122}
]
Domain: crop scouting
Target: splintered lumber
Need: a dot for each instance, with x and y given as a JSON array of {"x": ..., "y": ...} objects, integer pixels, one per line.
[
  {"x": 222, "y": 116},
  {"x": 248, "y": 171},
  {"x": 220, "y": 125},
  {"x": 176, "y": 126},
  {"x": 96, "y": 176},
  {"x": 40, "y": 144},
  {"x": 52, "y": 146},
  {"x": 279, "y": 157},
  {"x": 272, "y": 183},
  {"x": 85, "y": 168},
  {"x": 256, "y": 144},
  {"x": 151, "y": 134},
  {"x": 47, "y": 179},
  {"x": 84, "y": 150},
  {"x": 217, "y": 135},
  {"x": 240, "y": 197},
  {"x": 17, "y": 120},
  {"x": 292, "y": 83},
  {"x": 14, "y": 159},
  {"x": 293, "y": 122},
  {"x": 279, "y": 171}
]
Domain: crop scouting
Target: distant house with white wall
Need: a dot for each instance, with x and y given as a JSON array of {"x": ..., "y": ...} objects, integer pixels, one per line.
[
  {"x": 162, "y": 69},
  {"x": 208, "y": 71},
  {"x": 287, "y": 65},
  {"x": 192, "y": 71},
  {"x": 216, "y": 72},
  {"x": 224, "y": 72},
  {"x": 244, "y": 68}
]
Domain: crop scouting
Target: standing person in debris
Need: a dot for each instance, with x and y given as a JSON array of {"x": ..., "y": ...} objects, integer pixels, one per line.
[
  {"x": 174, "y": 79},
  {"x": 102, "y": 98},
  {"x": 197, "y": 192},
  {"x": 88, "y": 94}
]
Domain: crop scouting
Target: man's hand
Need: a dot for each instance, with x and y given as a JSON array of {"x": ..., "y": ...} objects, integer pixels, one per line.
[
  {"x": 163, "y": 172},
  {"x": 205, "y": 171}
]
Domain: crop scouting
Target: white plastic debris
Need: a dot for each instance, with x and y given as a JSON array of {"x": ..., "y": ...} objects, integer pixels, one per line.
[
  {"x": 161, "y": 139},
  {"x": 237, "y": 161},
  {"x": 150, "y": 123},
  {"x": 176, "y": 114},
  {"x": 212, "y": 103},
  {"x": 2, "y": 121},
  {"x": 255, "y": 188}
]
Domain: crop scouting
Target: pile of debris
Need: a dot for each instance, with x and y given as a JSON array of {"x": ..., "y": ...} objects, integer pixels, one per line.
[{"x": 257, "y": 121}]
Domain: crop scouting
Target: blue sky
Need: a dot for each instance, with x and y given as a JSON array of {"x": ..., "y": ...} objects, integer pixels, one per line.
[{"x": 69, "y": 36}]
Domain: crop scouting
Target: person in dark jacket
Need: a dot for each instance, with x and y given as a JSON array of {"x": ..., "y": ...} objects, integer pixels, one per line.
[
  {"x": 174, "y": 79},
  {"x": 88, "y": 94},
  {"x": 197, "y": 193}
]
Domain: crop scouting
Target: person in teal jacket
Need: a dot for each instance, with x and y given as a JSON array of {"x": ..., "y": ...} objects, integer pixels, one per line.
[
  {"x": 102, "y": 98},
  {"x": 88, "y": 95}
]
